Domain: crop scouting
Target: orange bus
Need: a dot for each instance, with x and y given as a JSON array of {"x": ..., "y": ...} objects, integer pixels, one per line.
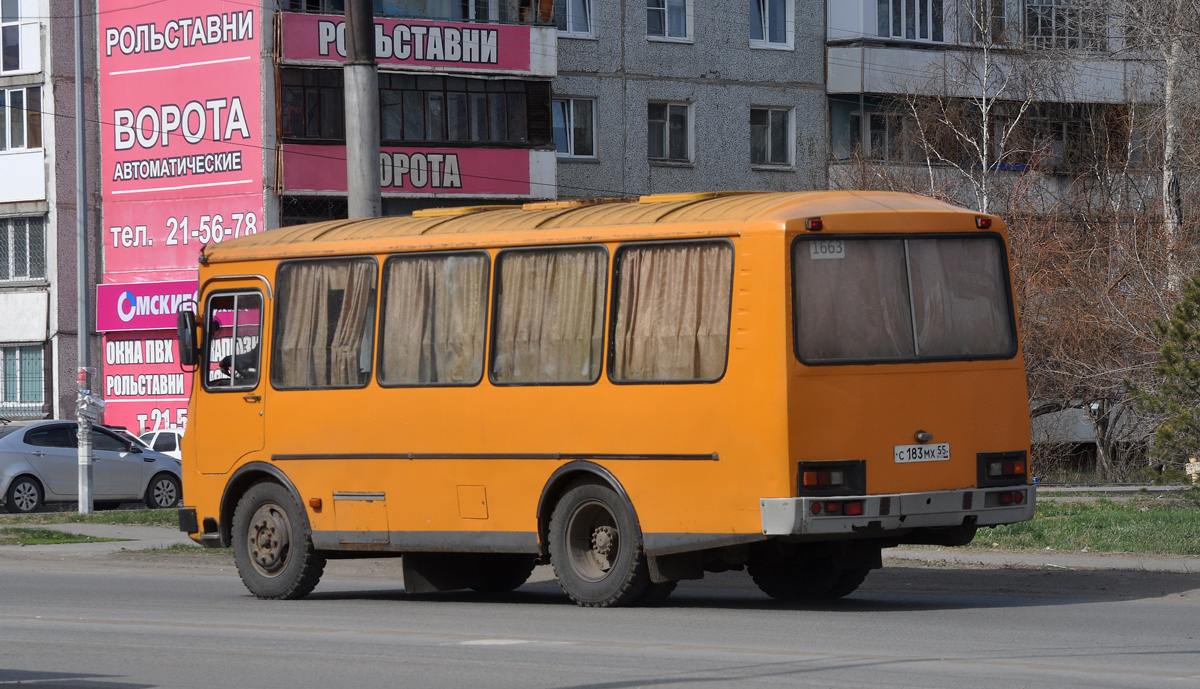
[{"x": 634, "y": 391}]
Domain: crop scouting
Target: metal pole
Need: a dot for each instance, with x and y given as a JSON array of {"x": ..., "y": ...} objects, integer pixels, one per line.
[
  {"x": 362, "y": 112},
  {"x": 81, "y": 236}
]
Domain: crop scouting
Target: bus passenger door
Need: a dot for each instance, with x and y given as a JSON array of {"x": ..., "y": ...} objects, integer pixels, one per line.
[{"x": 231, "y": 402}]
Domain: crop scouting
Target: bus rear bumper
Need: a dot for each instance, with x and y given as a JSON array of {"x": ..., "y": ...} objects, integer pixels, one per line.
[{"x": 883, "y": 515}]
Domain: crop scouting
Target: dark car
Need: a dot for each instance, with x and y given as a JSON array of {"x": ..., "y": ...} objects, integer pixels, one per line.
[{"x": 39, "y": 463}]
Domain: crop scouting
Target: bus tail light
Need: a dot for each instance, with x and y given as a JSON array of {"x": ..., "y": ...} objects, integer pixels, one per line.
[
  {"x": 1001, "y": 468},
  {"x": 843, "y": 477},
  {"x": 813, "y": 224},
  {"x": 983, "y": 222},
  {"x": 849, "y": 508}
]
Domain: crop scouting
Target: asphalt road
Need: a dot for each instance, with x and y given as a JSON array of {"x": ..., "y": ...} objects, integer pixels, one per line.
[{"x": 170, "y": 620}]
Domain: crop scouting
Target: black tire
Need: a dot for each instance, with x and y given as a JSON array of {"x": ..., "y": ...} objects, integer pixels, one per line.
[
  {"x": 656, "y": 594},
  {"x": 164, "y": 492},
  {"x": 794, "y": 578},
  {"x": 502, "y": 572},
  {"x": 272, "y": 544},
  {"x": 849, "y": 579},
  {"x": 596, "y": 548},
  {"x": 24, "y": 495}
]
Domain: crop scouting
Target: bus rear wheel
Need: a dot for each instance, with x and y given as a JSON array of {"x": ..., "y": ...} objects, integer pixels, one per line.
[
  {"x": 796, "y": 578},
  {"x": 272, "y": 544},
  {"x": 596, "y": 548}
]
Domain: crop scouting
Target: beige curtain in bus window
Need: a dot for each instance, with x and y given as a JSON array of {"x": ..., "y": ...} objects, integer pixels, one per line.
[
  {"x": 853, "y": 303},
  {"x": 315, "y": 345},
  {"x": 960, "y": 299},
  {"x": 304, "y": 305},
  {"x": 434, "y": 317},
  {"x": 353, "y": 327},
  {"x": 550, "y": 318},
  {"x": 672, "y": 312}
]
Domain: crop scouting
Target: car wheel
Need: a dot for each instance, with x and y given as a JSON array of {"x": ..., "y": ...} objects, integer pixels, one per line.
[
  {"x": 164, "y": 491},
  {"x": 596, "y": 548},
  {"x": 24, "y": 495},
  {"x": 272, "y": 544}
]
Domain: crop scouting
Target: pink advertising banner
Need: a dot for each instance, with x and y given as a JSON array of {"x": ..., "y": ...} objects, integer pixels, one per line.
[
  {"x": 182, "y": 166},
  {"x": 144, "y": 387},
  {"x": 141, "y": 237},
  {"x": 142, "y": 305},
  {"x": 414, "y": 171},
  {"x": 412, "y": 43},
  {"x": 180, "y": 99}
]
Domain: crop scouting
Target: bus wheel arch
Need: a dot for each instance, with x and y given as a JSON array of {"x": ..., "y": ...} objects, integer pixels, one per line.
[
  {"x": 563, "y": 479},
  {"x": 245, "y": 478}
]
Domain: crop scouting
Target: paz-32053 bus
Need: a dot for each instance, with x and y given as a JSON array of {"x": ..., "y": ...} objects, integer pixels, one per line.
[{"x": 636, "y": 392}]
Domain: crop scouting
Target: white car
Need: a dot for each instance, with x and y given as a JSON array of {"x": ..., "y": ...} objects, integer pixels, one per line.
[{"x": 167, "y": 441}]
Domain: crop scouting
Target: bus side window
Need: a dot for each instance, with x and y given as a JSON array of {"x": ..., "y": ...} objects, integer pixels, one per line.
[
  {"x": 671, "y": 304},
  {"x": 434, "y": 319},
  {"x": 324, "y": 324},
  {"x": 232, "y": 353},
  {"x": 549, "y": 315}
]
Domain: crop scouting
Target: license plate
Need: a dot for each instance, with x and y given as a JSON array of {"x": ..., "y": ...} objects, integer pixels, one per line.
[{"x": 932, "y": 452}]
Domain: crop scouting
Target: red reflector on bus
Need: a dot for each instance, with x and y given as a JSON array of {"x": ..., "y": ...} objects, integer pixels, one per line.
[
  {"x": 853, "y": 508},
  {"x": 816, "y": 508},
  {"x": 314, "y": 503},
  {"x": 885, "y": 506},
  {"x": 813, "y": 224},
  {"x": 982, "y": 222},
  {"x": 1019, "y": 497}
]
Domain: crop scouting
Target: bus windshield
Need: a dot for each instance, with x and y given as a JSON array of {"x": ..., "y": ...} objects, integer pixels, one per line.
[{"x": 890, "y": 299}]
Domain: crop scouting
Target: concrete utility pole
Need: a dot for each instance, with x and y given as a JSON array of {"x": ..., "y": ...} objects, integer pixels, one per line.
[
  {"x": 85, "y": 411},
  {"x": 362, "y": 112}
]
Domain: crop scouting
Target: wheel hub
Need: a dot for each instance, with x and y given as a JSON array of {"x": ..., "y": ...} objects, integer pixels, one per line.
[
  {"x": 25, "y": 496},
  {"x": 269, "y": 537},
  {"x": 603, "y": 539}
]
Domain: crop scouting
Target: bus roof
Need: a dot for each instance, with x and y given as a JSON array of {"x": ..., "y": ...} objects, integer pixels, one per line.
[{"x": 478, "y": 225}]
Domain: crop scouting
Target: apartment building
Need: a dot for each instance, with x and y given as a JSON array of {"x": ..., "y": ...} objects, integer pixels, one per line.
[
  {"x": 657, "y": 96},
  {"x": 38, "y": 354}
]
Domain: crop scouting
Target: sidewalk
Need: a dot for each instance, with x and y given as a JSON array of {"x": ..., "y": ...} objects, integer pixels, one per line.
[
  {"x": 150, "y": 537},
  {"x": 136, "y": 538}
]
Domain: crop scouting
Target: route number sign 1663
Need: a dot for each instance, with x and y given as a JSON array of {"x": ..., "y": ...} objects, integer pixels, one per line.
[{"x": 826, "y": 248}]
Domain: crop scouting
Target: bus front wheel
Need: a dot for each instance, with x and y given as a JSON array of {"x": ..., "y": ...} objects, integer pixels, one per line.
[
  {"x": 272, "y": 544},
  {"x": 596, "y": 548}
]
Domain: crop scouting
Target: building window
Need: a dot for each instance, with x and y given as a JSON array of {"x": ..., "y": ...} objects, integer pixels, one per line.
[
  {"x": 22, "y": 381},
  {"x": 575, "y": 127},
  {"x": 667, "y": 18},
  {"x": 1063, "y": 24},
  {"x": 669, "y": 132},
  {"x": 455, "y": 109},
  {"x": 988, "y": 21},
  {"x": 22, "y": 249},
  {"x": 770, "y": 136},
  {"x": 574, "y": 17},
  {"x": 10, "y": 36},
  {"x": 316, "y": 6},
  {"x": 771, "y": 23},
  {"x": 20, "y": 118},
  {"x": 913, "y": 20},
  {"x": 311, "y": 104}
]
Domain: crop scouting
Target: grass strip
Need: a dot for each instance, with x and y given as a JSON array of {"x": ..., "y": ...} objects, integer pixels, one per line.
[
  {"x": 1140, "y": 526},
  {"x": 145, "y": 517},
  {"x": 21, "y": 536}
]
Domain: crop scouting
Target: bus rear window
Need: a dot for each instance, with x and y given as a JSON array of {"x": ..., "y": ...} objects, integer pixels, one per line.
[{"x": 889, "y": 299}]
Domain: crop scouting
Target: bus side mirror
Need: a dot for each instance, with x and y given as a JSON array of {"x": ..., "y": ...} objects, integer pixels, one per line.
[{"x": 189, "y": 341}]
